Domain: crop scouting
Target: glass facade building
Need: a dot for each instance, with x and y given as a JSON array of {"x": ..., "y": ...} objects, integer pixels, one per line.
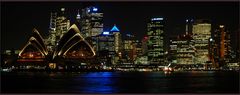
[
  {"x": 155, "y": 33},
  {"x": 201, "y": 35}
]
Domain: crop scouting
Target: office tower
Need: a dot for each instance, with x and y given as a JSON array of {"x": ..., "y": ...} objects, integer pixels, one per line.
[
  {"x": 62, "y": 24},
  {"x": 117, "y": 38},
  {"x": 221, "y": 46},
  {"x": 139, "y": 50},
  {"x": 201, "y": 35},
  {"x": 51, "y": 40},
  {"x": 144, "y": 45},
  {"x": 183, "y": 45},
  {"x": 91, "y": 22},
  {"x": 189, "y": 26},
  {"x": 129, "y": 47},
  {"x": 59, "y": 25},
  {"x": 155, "y": 33},
  {"x": 106, "y": 49}
]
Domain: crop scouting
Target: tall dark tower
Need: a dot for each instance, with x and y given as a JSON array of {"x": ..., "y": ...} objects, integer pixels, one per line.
[
  {"x": 78, "y": 21},
  {"x": 155, "y": 43},
  {"x": 189, "y": 26},
  {"x": 222, "y": 47},
  {"x": 78, "y": 17}
]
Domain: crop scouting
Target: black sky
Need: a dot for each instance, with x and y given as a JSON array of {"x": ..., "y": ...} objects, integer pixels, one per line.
[{"x": 19, "y": 18}]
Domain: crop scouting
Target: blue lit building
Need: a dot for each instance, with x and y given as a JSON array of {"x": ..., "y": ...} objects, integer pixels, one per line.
[
  {"x": 117, "y": 37},
  {"x": 109, "y": 45}
]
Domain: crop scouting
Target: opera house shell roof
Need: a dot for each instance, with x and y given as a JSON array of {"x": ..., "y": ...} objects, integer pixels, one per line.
[
  {"x": 35, "y": 47},
  {"x": 71, "y": 45}
]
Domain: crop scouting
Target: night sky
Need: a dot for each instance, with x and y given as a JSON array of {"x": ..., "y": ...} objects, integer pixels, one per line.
[{"x": 19, "y": 19}]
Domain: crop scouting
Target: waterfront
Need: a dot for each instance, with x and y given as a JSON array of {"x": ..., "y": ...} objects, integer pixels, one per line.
[{"x": 120, "y": 82}]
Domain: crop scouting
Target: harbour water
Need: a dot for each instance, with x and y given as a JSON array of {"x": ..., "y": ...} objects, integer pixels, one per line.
[{"x": 120, "y": 82}]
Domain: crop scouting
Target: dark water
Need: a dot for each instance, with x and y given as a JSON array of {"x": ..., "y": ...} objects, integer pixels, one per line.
[{"x": 121, "y": 82}]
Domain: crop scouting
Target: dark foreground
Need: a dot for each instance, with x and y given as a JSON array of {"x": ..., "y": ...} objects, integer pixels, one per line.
[{"x": 120, "y": 82}]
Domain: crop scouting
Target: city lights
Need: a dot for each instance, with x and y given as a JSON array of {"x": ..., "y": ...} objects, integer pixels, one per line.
[
  {"x": 154, "y": 19},
  {"x": 114, "y": 29},
  {"x": 95, "y": 9},
  {"x": 106, "y": 33},
  {"x": 107, "y": 48}
]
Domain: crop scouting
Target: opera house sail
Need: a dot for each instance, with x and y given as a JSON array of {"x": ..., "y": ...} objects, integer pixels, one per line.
[
  {"x": 71, "y": 45},
  {"x": 35, "y": 47}
]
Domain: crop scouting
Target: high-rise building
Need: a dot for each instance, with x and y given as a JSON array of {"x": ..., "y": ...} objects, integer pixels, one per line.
[
  {"x": 139, "y": 50},
  {"x": 201, "y": 35},
  {"x": 117, "y": 38},
  {"x": 189, "y": 26},
  {"x": 172, "y": 51},
  {"x": 59, "y": 25},
  {"x": 106, "y": 50},
  {"x": 155, "y": 33},
  {"x": 62, "y": 24},
  {"x": 91, "y": 22},
  {"x": 130, "y": 48},
  {"x": 221, "y": 46},
  {"x": 51, "y": 40},
  {"x": 144, "y": 45},
  {"x": 182, "y": 48}
]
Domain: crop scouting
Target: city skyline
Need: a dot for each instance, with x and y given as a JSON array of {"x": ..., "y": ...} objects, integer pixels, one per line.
[
  {"x": 120, "y": 47},
  {"x": 128, "y": 17}
]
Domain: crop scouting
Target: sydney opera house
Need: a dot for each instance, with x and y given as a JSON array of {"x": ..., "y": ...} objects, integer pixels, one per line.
[{"x": 72, "y": 48}]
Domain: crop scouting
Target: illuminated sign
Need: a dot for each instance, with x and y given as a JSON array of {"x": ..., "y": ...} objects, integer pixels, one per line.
[
  {"x": 115, "y": 28},
  {"x": 106, "y": 33},
  {"x": 95, "y": 9},
  {"x": 153, "y": 19}
]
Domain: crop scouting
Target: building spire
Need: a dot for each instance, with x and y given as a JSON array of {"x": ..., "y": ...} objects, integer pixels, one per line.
[
  {"x": 115, "y": 29},
  {"x": 78, "y": 16}
]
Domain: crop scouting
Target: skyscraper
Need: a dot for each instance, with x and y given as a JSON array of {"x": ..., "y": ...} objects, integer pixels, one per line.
[
  {"x": 130, "y": 47},
  {"x": 117, "y": 38},
  {"x": 185, "y": 49},
  {"x": 155, "y": 33},
  {"x": 144, "y": 45},
  {"x": 106, "y": 50},
  {"x": 59, "y": 25},
  {"x": 221, "y": 47},
  {"x": 201, "y": 35},
  {"x": 51, "y": 40},
  {"x": 91, "y": 22}
]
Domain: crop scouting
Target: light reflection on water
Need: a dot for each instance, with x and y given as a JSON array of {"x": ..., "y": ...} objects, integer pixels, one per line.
[
  {"x": 96, "y": 82},
  {"x": 120, "y": 82}
]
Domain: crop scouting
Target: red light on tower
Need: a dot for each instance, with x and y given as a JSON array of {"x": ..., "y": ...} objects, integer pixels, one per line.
[{"x": 145, "y": 38}]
